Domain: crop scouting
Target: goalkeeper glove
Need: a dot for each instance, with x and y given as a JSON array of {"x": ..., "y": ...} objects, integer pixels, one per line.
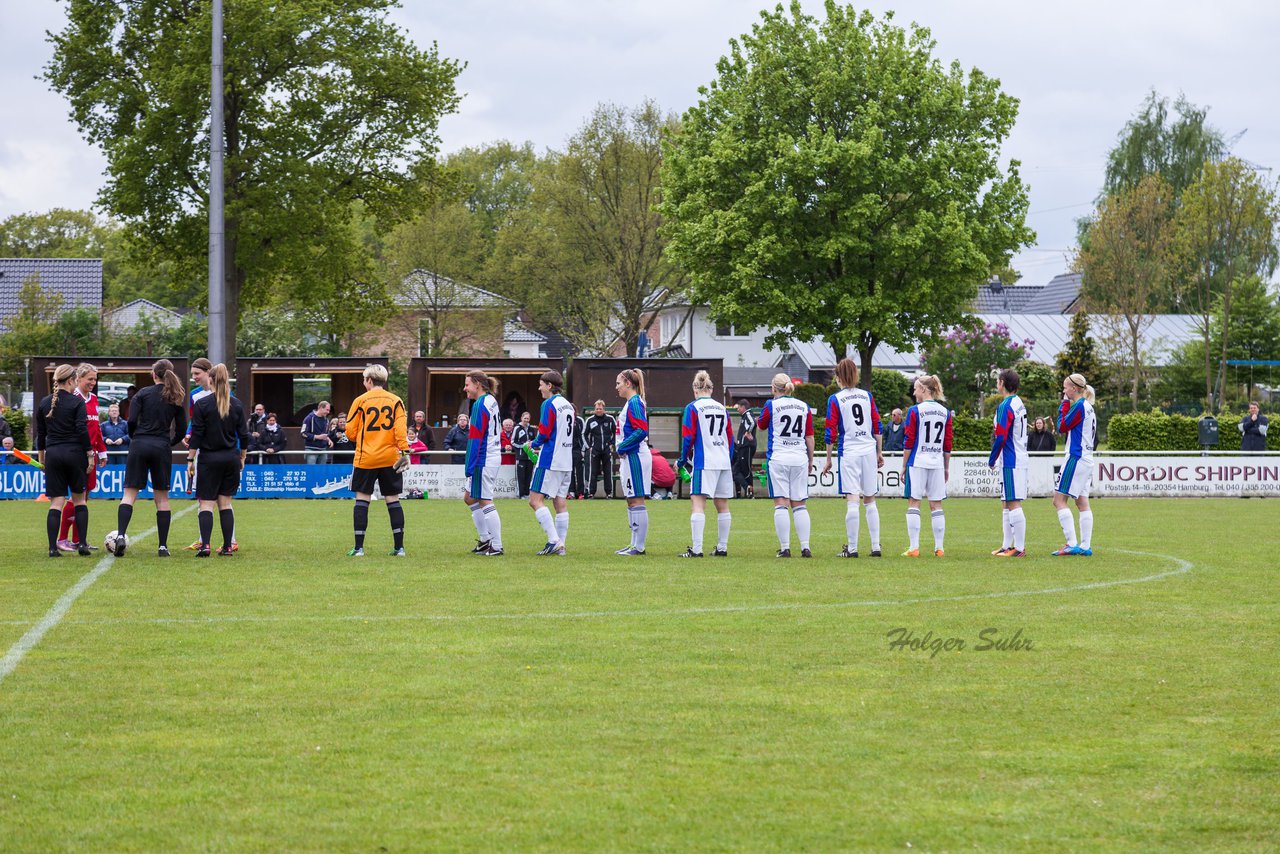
[{"x": 402, "y": 463}]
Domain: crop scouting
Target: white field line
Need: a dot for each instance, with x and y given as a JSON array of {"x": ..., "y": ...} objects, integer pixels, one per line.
[
  {"x": 28, "y": 641},
  {"x": 1181, "y": 567}
]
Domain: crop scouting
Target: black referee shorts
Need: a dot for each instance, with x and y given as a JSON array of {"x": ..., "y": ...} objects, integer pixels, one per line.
[
  {"x": 148, "y": 459},
  {"x": 217, "y": 473},
  {"x": 387, "y": 478},
  {"x": 66, "y": 469}
]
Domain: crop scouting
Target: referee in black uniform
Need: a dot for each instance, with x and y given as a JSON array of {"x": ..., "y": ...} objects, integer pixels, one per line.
[
  {"x": 602, "y": 432},
  {"x": 157, "y": 424},
  {"x": 62, "y": 440},
  {"x": 220, "y": 434}
]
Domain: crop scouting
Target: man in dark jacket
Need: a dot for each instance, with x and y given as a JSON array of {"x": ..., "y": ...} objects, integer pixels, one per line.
[
  {"x": 601, "y": 434},
  {"x": 521, "y": 436},
  {"x": 315, "y": 434},
  {"x": 744, "y": 449},
  {"x": 1253, "y": 430},
  {"x": 895, "y": 432}
]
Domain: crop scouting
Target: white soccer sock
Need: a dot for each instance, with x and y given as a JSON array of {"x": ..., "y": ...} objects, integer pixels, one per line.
[
  {"x": 1018, "y": 522},
  {"x": 723, "y": 522},
  {"x": 547, "y": 521},
  {"x": 697, "y": 525},
  {"x": 782, "y": 524},
  {"x": 477, "y": 519},
  {"x": 851, "y": 525},
  {"x": 801, "y": 517},
  {"x": 493, "y": 525},
  {"x": 562, "y": 526},
  {"x": 633, "y": 524},
  {"x": 642, "y": 526},
  {"x": 939, "y": 528},
  {"x": 873, "y": 525},
  {"x": 1006, "y": 529},
  {"x": 1068, "y": 525},
  {"x": 1086, "y": 529},
  {"x": 913, "y": 527}
]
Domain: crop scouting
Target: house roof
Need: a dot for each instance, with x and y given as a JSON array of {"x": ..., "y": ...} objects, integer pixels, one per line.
[
  {"x": 422, "y": 287},
  {"x": 1163, "y": 334},
  {"x": 78, "y": 280},
  {"x": 514, "y": 332},
  {"x": 130, "y": 315},
  {"x": 1056, "y": 297}
]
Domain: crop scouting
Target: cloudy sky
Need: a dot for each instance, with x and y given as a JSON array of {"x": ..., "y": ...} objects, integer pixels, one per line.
[{"x": 536, "y": 69}]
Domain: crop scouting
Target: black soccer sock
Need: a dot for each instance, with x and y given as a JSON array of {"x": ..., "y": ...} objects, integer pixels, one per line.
[
  {"x": 53, "y": 522},
  {"x": 396, "y": 513},
  {"x": 123, "y": 514},
  {"x": 361, "y": 520},
  {"x": 162, "y": 525},
  {"x": 206, "y": 526},
  {"x": 82, "y": 523},
  {"x": 227, "y": 519}
]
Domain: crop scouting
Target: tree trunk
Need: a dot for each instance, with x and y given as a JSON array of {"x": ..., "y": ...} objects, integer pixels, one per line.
[
  {"x": 1133, "y": 392},
  {"x": 866, "y": 355},
  {"x": 1208, "y": 377}
]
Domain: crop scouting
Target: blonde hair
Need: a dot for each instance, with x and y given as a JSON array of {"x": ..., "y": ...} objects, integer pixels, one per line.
[
  {"x": 377, "y": 373},
  {"x": 782, "y": 384},
  {"x": 221, "y": 382},
  {"x": 933, "y": 384},
  {"x": 1081, "y": 383},
  {"x": 846, "y": 373},
  {"x": 636, "y": 378},
  {"x": 61, "y": 374},
  {"x": 702, "y": 382},
  {"x": 85, "y": 368}
]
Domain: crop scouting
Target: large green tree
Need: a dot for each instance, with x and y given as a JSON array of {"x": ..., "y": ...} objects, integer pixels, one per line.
[
  {"x": 1225, "y": 230},
  {"x": 1154, "y": 142},
  {"x": 1126, "y": 266},
  {"x": 325, "y": 102},
  {"x": 836, "y": 181}
]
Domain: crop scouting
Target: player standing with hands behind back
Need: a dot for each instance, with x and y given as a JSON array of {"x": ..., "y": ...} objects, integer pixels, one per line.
[
  {"x": 1078, "y": 422},
  {"x": 219, "y": 441},
  {"x": 62, "y": 438},
  {"x": 926, "y": 461},
  {"x": 484, "y": 455},
  {"x": 376, "y": 422},
  {"x": 789, "y": 425},
  {"x": 636, "y": 458}
]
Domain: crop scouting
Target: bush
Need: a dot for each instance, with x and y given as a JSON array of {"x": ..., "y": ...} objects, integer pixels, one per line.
[
  {"x": 1156, "y": 431},
  {"x": 970, "y": 434},
  {"x": 21, "y": 432},
  {"x": 891, "y": 390},
  {"x": 815, "y": 394}
]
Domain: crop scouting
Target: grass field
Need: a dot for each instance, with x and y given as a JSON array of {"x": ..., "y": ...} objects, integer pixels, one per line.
[{"x": 290, "y": 698}]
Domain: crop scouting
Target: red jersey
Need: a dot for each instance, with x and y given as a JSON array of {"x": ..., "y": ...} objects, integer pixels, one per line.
[{"x": 95, "y": 426}]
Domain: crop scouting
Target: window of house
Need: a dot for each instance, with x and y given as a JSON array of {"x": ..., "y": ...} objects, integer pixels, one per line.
[{"x": 725, "y": 330}]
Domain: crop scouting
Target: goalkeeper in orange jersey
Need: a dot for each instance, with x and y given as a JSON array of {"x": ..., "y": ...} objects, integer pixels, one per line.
[{"x": 377, "y": 425}]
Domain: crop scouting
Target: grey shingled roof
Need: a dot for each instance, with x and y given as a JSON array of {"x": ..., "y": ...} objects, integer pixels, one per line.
[
  {"x": 78, "y": 280},
  {"x": 517, "y": 333},
  {"x": 1057, "y": 297},
  {"x": 421, "y": 286},
  {"x": 1007, "y": 298},
  {"x": 130, "y": 315}
]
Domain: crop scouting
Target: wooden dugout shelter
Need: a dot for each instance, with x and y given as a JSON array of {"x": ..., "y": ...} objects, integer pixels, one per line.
[
  {"x": 269, "y": 381},
  {"x": 135, "y": 369}
]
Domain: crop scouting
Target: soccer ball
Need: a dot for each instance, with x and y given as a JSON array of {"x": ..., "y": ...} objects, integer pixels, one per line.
[{"x": 110, "y": 542}]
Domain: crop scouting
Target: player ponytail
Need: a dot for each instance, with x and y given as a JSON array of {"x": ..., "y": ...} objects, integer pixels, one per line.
[
  {"x": 933, "y": 385},
  {"x": 782, "y": 385},
  {"x": 635, "y": 379},
  {"x": 162, "y": 372},
  {"x": 846, "y": 373},
  {"x": 702, "y": 383},
  {"x": 221, "y": 389},
  {"x": 484, "y": 381},
  {"x": 1088, "y": 393},
  {"x": 61, "y": 374}
]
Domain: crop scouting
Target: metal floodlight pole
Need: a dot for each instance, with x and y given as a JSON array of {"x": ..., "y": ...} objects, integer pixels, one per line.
[{"x": 217, "y": 227}]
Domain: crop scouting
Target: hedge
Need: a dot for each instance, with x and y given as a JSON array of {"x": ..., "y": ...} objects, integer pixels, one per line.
[
  {"x": 1156, "y": 431},
  {"x": 18, "y": 422}
]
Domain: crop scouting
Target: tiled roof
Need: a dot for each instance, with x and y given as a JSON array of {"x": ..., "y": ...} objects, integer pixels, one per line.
[
  {"x": 514, "y": 332},
  {"x": 130, "y": 315},
  {"x": 78, "y": 280},
  {"x": 422, "y": 287},
  {"x": 1056, "y": 297}
]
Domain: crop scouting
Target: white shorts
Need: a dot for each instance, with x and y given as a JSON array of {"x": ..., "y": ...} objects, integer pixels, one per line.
[
  {"x": 925, "y": 484},
  {"x": 636, "y": 471},
  {"x": 1075, "y": 478},
  {"x": 1013, "y": 484},
  {"x": 713, "y": 483},
  {"x": 789, "y": 481},
  {"x": 551, "y": 482},
  {"x": 858, "y": 475},
  {"x": 480, "y": 484}
]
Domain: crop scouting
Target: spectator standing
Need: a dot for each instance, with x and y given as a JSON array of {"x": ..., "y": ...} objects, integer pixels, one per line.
[
  {"x": 1041, "y": 439},
  {"x": 456, "y": 439},
  {"x": 126, "y": 405},
  {"x": 257, "y": 421},
  {"x": 508, "y": 456},
  {"x": 523, "y": 434},
  {"x": 6, "y": 429},
  {"x": 744, "y": 449},
  {"x": 416, "y": 447},
  {"x": 315, "y": 434},
  {"x": 578, "y": 481},
  {"x": 115, "y": 433},
  {"x": 271, "y": 442},
  {"x": 9, "y": 458},
  {"x": 601, "y": 431},
  {"x": 1253, "y": 430},
  {"x": 342, "y": 446},
  {"x": 895, "y": 431}
]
